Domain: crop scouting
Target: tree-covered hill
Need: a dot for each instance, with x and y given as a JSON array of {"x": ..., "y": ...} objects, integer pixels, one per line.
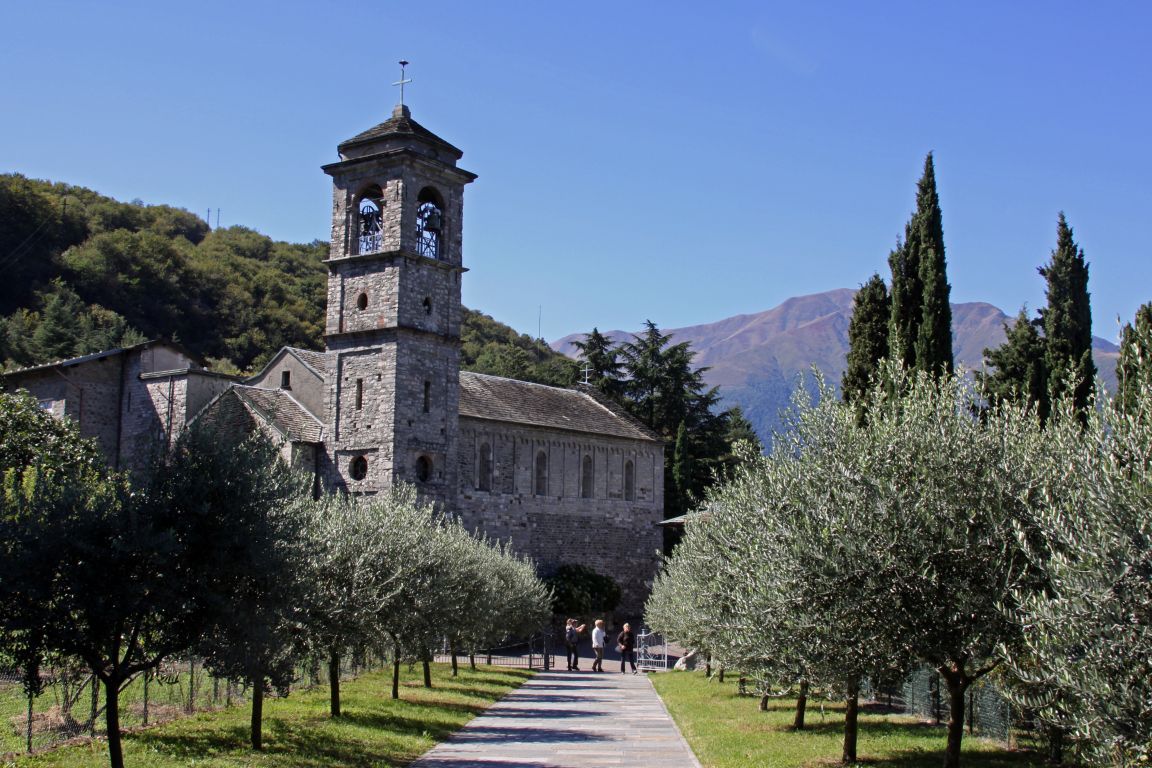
[{"x": 88, "y": 273}]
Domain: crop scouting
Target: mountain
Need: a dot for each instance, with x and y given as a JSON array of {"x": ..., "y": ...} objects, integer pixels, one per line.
[{"x": 757, "y": 360}]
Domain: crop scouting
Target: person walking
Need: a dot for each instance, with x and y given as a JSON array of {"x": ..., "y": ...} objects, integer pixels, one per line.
[
  {"x": 626, "y": 644},
  {"x": 571, "y": 639},
  {"x": 598, "y": 635}
]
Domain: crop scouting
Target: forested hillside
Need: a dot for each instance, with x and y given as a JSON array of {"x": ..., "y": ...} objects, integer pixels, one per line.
[{"x": 87, "y": 273}]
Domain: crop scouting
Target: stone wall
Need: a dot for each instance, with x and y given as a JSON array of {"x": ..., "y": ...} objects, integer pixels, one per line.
[
  {"x": 613, "y": 536},
  {"x": 305, "y": 385}
]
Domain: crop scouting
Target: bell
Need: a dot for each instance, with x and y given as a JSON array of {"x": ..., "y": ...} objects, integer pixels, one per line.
[{"x": 432, "y": 222}]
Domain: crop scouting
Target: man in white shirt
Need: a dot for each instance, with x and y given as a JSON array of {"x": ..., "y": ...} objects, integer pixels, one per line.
[{"x": 598, "y": 636}]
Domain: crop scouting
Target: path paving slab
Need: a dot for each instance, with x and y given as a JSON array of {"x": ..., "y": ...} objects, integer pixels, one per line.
[{"x": 569, "y": 720}]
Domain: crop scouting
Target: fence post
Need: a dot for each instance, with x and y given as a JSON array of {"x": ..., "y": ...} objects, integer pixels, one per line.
[
  {"x": 95, "y": 705},
  {"x": 191, "y": 684},
  {"x": 30, "y": 699}
]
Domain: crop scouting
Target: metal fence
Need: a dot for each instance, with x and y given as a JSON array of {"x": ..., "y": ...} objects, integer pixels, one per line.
[
  {"x": 988, "y": 712},
  {"x": 72, "y": 704},
  {"x": 537, "y": 652}
]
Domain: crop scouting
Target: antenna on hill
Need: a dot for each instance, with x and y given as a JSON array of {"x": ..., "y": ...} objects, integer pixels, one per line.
[
  {"x": 539, "y": 321},
  {"x": 587, "y": 371},
  {"x": 217, "y": 218}
]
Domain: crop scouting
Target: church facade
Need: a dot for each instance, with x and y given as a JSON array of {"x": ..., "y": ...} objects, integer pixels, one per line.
[{"x": 563, "y": 474}]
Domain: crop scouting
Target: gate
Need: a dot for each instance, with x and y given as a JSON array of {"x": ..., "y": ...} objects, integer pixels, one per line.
[{"x": 651, "y": 652}]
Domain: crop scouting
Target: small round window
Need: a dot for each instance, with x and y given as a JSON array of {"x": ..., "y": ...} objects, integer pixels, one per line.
[
  {"x": 362, "y": 301},
  {"x": 358, "y": 468},
  {"x": 423, "y": 469}
]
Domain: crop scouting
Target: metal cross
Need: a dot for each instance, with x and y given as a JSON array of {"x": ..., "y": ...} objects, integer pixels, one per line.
[{"x": 401, "y": 82}]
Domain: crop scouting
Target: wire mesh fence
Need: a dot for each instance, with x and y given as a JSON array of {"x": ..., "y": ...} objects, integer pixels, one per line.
[
  {"x": 72, "y": 704},
  {"x": 988, "y": 712}
]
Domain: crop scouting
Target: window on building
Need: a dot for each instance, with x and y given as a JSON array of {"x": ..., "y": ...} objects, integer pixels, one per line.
[
  {"x": 359, "y": 394},
  {"x": 370, "y": 221},
  {"x": 429, "y": 223},
  {"x": 285, "y": 379},
  {"x": 427, "y": 396},
  {"x": 427, "y": 305},
  {"x": 362, "y": 302},
  {"x": 586, "y": 477},
  {"x": 358, "y": 468},
  {"x": 423, "y": 469},
  {"x": 629, "y": 481},
  {"x": 540, "y": 488},
  {"x": 484, "y": 470}
]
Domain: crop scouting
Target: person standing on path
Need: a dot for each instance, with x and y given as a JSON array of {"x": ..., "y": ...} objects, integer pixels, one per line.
[
  {"x": 626, "y": 644},
  {"x": 598, "y": 635},
  {"x": 571, "y": 638}
]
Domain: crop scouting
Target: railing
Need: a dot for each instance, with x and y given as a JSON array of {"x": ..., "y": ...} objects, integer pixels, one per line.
[{"x": 534, "y": 653}]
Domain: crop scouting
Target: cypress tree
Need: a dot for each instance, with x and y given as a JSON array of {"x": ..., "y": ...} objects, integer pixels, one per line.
[
  {"x": 906, "y": 296},
  {"x": 867, "y": 338},
  {"x": 920, "y": 334},
  {"x": 1068, "y": 320},
  {"x": 1020, "y": 373},
  {"x": 1134, "y": 366}
]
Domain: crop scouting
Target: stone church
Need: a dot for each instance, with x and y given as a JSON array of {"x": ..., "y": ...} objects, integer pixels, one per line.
[{"x": 564, "y": 474}]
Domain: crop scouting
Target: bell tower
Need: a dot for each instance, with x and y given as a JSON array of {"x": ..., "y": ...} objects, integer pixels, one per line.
[{"x": 393, "y": 319}]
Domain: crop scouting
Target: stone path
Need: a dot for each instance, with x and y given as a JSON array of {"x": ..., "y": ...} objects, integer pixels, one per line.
[{"x": 569, "y": 720}]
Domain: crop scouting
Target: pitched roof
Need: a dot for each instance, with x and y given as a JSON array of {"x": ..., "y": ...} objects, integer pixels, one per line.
[
  {"x": 283, "y": 412},
  {"x": 521, "y": 402},
  {"x": 400, "y": 124},
  {"x": 111, "y": 353},
  {"x": 317, "y": 361}
]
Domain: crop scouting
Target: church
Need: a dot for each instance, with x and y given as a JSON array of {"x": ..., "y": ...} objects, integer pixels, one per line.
[{"x": 565, "y": 475}]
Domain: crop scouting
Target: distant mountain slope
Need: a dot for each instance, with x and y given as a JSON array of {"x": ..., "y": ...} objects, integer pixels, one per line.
[{"x": 757, "y": 359}]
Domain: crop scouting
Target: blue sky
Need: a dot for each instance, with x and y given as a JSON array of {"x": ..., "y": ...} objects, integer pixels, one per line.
[{"x": 636, "y": 161}]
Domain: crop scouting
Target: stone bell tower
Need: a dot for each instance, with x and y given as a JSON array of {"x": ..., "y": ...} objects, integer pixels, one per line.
[{"x": 394, "y": 314}]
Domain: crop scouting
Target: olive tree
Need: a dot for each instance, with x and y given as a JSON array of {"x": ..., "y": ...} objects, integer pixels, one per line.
[{"x": 1087, "y": 637}]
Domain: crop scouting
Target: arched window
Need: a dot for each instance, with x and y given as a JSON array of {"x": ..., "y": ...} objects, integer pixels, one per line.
[
  {"x": 427, "y": 305},
  {"x": 423, "y": 469},
  {"x": 362, "y": 302},
  {"x": 541, "y": 486},
  {"x": 358, "y": 468},
  {"x": 586, "y": 477},
  {"x": 629, "y": 481},
  {"x": 484, "y": 470},
  {"x": 429, "y": 223},
  {"x": 370, "y": 221}
]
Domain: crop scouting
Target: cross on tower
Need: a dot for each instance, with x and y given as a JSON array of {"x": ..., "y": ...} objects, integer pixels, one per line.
[{"x": 402, "y": 81}]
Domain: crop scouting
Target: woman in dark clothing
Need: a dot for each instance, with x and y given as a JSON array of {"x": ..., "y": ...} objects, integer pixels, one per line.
[{"x": 626, "y": 644}]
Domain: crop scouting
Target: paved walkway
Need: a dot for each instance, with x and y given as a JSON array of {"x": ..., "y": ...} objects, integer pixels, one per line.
[{"x": 569, "y": 720}]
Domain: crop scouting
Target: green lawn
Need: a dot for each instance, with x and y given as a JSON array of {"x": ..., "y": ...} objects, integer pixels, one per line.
[
  {"x": 374, "y": 730},
  {"x": 726, "y": 730}
]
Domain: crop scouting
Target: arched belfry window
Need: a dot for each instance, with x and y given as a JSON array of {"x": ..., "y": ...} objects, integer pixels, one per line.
[
  {"x": 370, "y": 221},
  {"x": 586, "y": 477},
  {"x": 429, "y": 223}
]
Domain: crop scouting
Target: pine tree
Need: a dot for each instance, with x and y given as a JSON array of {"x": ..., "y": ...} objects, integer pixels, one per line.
[
  {"x": 59, "y": 330},
  {"x": 1020, "y": 373},
  {"x": 1134, "y": 366},
  {"x": 603, "y": 362},
  {"x": 867, "y": 337},
  {"x": 1068, "y": 320}
]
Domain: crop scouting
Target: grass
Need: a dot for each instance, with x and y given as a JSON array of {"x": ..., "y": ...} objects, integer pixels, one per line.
[
  {"x": 726, "y": 730},
  {"x": 373, "y": 731}
]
